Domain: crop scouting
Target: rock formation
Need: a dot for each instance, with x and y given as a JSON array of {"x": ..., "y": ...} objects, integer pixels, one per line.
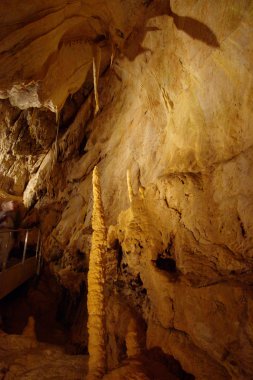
[
  {"x": 29, "y": 329},
  {"x": 175, "y": 112},
  {"x": 96, "y": 286}
]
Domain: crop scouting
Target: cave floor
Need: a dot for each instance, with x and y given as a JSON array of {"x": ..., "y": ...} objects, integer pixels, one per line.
[{"x": 21, "y": 357}]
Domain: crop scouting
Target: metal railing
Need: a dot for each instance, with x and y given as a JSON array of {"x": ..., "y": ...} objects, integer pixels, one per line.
[{"x": 23, "y": 258}]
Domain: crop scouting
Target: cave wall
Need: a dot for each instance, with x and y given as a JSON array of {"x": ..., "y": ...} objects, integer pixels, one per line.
[{"x": 176, "y": 114}]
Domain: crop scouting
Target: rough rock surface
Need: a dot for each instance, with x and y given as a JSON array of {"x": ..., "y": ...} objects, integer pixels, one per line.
[
  {"x": 21, "y": 357},
  {"x": 176, "y": 113}
]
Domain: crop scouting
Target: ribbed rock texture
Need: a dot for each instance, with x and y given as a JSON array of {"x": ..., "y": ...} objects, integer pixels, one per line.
[
  {"x": 175, "y": 95},
  {"x": 96, "y": 286}
]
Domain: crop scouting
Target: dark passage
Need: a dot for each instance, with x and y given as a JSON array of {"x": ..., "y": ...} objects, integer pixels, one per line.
[{"x": 167, "y": 264}]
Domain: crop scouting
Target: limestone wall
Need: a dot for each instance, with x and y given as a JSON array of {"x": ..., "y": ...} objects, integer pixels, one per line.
[{"x": 176, "y": 113}]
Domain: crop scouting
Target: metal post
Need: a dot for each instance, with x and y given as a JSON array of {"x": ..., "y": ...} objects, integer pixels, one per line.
[
  {"x": 8, "y": 248},
  {"x": 25, "y": 246},
  {"x": 38, "y": 244},
  {"x": 39, "y": 261}
]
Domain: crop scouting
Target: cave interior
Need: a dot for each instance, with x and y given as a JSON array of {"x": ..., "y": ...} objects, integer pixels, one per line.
[{"x": 126, "y": 177}]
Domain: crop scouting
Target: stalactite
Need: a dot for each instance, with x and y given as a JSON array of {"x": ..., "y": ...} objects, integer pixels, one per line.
[
  {"x": 55, "y": 147},
  {"x": 129, "y": 187},
  {"x": 96, "y": 68},
  {"x": 96, "y": 282},
  {"x": 112, "y": 54}
]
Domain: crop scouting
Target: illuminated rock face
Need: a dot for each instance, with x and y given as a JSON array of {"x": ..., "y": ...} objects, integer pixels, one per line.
[
  {"x": 52, "y": 42},
  {"x": 176, "y": 113},
  {"x": 96, "y": 286}
]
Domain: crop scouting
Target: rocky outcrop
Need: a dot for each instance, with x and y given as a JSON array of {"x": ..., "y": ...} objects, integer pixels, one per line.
[{"x": 176, "y": 114}]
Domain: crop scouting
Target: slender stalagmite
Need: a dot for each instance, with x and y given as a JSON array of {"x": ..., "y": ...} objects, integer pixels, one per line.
[
  {"x": 96, "y": 283},
  {"x": 132, "y": 341}
]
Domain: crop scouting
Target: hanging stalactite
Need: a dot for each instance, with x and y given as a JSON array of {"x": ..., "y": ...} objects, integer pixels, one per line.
[{"x": 96, "y": 61}]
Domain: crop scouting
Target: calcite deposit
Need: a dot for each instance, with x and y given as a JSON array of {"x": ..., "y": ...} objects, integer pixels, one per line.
[
  {"x": 169, "y": 124},
  {"x": 96, "y": 286}
]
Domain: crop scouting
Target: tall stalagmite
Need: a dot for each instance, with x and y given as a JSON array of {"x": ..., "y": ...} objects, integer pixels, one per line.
[{"x": 96, "y": 279}]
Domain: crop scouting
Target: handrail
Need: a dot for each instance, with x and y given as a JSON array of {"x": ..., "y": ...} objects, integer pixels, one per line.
[
  {"x": 3, "y": 230},
  {"x": 17, "y": 273},
  {"x": 38, "y": 245},
  {"x": 25, "y": 246}
]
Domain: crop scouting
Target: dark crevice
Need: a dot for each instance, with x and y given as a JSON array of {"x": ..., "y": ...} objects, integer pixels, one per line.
[
  {"x": 82, "y": 145},
  {"x": 147, "y": 3},
  {"x": 136, "y": 283},
  {"x": 165, "y": 260},
  {"x": 167, "y": 264},
  {"x": 119, "y": 253},
  {"x": 100, "y": 38},
  {"x": 174, "y": 367},
  {"x": 122, "y": 348},
  {"x": 243, "y": 231}
]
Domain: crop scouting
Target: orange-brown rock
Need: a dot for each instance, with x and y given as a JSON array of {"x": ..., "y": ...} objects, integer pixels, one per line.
[{"x": 175, "y": 98}]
